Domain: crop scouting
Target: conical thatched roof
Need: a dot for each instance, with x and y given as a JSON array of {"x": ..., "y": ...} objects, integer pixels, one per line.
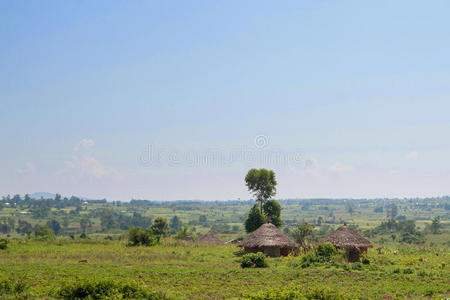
[
  {"x": 346, "y": 236},
  {"x": 210, "y": 238},
  {"x": 188, "y": 239},
  {"x": 268, "y": 235}
]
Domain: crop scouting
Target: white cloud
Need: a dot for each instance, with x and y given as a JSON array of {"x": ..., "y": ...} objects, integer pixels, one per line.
[
  {"x": 86, "y": 164},
  {"x": 412, "y": 155},
  {"x": 91, "y": 165},
  {"x": 84, "y": 144},
  {"x": 29, "y": 168}
]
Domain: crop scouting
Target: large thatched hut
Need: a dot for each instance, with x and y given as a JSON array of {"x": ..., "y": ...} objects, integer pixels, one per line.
[
  {"x": 269, "y": 240},
  {"x": 346, "y": 238},
  {"x": 211, "y": 238}
]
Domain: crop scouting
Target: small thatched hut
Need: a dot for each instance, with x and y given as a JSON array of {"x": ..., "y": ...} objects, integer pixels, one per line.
[
  {"x": 269, "y": 240},
  {"x": 346, "y": 238},
  {"x": 211, "y": 238},
  {"x": 188, "y": 239}
]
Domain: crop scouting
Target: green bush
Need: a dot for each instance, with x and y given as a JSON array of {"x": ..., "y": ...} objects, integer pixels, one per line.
[
  {"x": 138, "y": 236},
  {"x": 256, "y": 260},
  {"x": 12, "y": 286},
  {"x": 357, "y": 266},
  {"x": 106, "y": 289},
  {"x": 408, "y": 271},
  {"x": 296, "y": 293},
  {"x": 365, "y": 261},
  {"x": 326, "y": 251},
  {"x": 44, "y": 233},
  {"x": 3, "y": 244},
  {"x": 323, "y": 253},
  {"x": 410, "y": 238}
]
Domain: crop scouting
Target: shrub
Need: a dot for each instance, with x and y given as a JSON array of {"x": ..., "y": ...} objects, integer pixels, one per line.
[
  {"x": 357, "y": 266},
  {"x": 12, "y": 286},
  {"x": 106, "y": 289},
  {"x": 323, "y": 253},
  {"x": 256, "y": 260},
  {"x": 410, "y": 238},
  {"x": 408, "y": 271},
  {"x": 365, "y": 261},
  {"x": 296, "y": 293},
  {"x": 44, "y": 233},
  {"x": 326, "y": 251},
  {"x": 3, "y": 244},
  {"x": 139, "y": 236}
]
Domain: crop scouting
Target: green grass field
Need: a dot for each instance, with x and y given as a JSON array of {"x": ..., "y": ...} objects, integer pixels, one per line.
[{"x": 190, "y": 271}]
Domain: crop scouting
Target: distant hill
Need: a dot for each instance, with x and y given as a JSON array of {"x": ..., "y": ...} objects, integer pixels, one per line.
[{"x": 46, "y": 195}]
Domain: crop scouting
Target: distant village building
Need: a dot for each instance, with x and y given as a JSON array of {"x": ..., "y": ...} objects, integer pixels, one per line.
[
  {"x": 269, "y": 240},
  {"x": 211, "y": 238},
  {"x": 346, "y": 238},
  {"x": 188, "y": 239}
]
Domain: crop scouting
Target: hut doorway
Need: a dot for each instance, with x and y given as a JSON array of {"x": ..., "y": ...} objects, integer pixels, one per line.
[
  {"x": 272, "y": 251},
  {"x": 352, "y": 254}
]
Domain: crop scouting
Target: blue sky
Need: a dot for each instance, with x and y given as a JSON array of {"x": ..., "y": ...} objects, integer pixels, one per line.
[{"x": 172, "y": 100}]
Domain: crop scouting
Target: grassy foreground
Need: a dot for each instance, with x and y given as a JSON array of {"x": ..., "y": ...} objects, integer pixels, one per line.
[{"x": 187, "y": 270}]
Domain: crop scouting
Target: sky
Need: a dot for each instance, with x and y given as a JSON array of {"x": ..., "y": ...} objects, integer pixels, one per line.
[{"x": 167, "y": 100}]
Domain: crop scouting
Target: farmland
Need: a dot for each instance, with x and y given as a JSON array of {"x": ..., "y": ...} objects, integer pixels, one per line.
[
  {"x": 37, "y": 267},
  {"x": 188, "y": 270}
]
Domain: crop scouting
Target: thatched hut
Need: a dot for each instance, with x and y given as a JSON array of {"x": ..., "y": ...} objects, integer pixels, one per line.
[
  {"x": 346, "y": 238},
  {"x": 188, "y": 239},
  {"x": 211, "y": 238},
  {"x": 269, "y": 240}
]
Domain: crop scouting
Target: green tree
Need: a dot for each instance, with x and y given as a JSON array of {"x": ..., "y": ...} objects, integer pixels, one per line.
[
  {"x": 85, "y": 223},
  {"x": 54, "y": 225},
  {"x": 301, "y": 232},
  {"x": 262, "y": 183},
  {"x": 350, "y": 209},
  {"x": 66, "y": 222},
  {"x": 435, "y": 226},
  {"x": 254, "y": 220},
  {"x": 138, "y": 236},
  {"x": 272, "y": 211},
  {"x": 160, "y": 227},
  {"x": 24, "y": 227},
  {"x": 175, "y": 224},
  {"x": 108, "y": 219},
  {"x": 42, "y": 211},
  {"x": 202, "y": 220},
  {"x": 183, "y": 233},
  {"x": 44, "y": 232},
  {"x": 392, "y": 211}
]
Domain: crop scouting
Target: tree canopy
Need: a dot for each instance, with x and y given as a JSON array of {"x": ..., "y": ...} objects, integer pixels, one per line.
[
  {"x": 272, "y": 211},
  {"x": 262, "y": 183},
  {"x": 254, "y": 220}
]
